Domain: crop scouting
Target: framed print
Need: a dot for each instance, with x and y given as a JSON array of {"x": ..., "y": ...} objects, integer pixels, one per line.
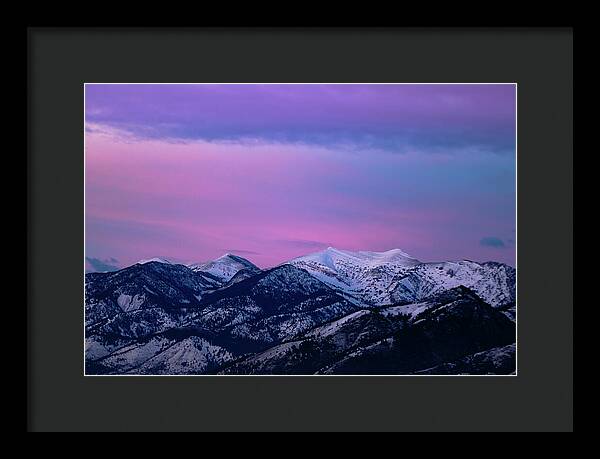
[
  {"x": 300, "y": 229},
  {"x": 263, "y": 229}
]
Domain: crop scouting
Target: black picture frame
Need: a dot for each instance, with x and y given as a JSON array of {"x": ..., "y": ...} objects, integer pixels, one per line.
[{"x": 61, "y": 60}]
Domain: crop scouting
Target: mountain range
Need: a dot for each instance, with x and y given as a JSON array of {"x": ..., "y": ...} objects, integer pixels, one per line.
[{"x": 330, "y": 312}]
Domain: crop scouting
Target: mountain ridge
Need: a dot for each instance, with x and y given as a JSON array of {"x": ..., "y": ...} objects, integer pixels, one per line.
[{"x": 305, "y": 316}]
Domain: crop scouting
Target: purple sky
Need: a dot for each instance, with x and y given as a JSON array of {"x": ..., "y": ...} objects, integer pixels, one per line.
[{"x": 270, "y": 172}]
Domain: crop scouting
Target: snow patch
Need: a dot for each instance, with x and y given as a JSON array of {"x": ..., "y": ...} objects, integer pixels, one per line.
[{"x": 128, "y": 303}]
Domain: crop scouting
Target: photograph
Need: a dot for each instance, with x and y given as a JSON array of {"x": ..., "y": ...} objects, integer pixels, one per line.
[{"x": 296, "y": 229}]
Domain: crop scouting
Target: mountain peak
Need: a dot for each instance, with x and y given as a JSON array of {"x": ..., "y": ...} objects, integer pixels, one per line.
[
  {"x": 362, "y": 274},
  {"x": 236, "y": 258},
  {"x": 155, "y": 259},
  {"x": 225, "y": 267}
]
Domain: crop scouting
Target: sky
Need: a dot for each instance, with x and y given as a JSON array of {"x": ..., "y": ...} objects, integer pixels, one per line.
[{"x": 271, "y": 172}]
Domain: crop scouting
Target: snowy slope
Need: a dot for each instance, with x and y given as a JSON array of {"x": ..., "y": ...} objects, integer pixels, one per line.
[
  {"x": 165, "y": 353},
  {"x": 225, "y": 267},
  {"x": 192, "y": 355},
  {"x": 364, "y": 275},
  {"x": 450, "y": 326},
  {"x": 273, "y": 305},
  {"x": 379, "y": 278},
  {"x": 143, "y": 286},
  {"x": 156, "y": 259},
  {"x": 493, "y": 282},
  {"x": 249, "y": 315}
]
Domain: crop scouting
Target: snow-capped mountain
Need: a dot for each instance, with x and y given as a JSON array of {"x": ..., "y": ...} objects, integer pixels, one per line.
[
  {"x": 365, "y": 276},
  {"x": 332, "y": 312},
  {"x": 380, "y": 278},
  {"x": 225, "y": 267}
]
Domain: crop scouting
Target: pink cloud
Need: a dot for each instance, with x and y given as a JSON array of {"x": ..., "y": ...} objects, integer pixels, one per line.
[{"x": 194, "y": 201}]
